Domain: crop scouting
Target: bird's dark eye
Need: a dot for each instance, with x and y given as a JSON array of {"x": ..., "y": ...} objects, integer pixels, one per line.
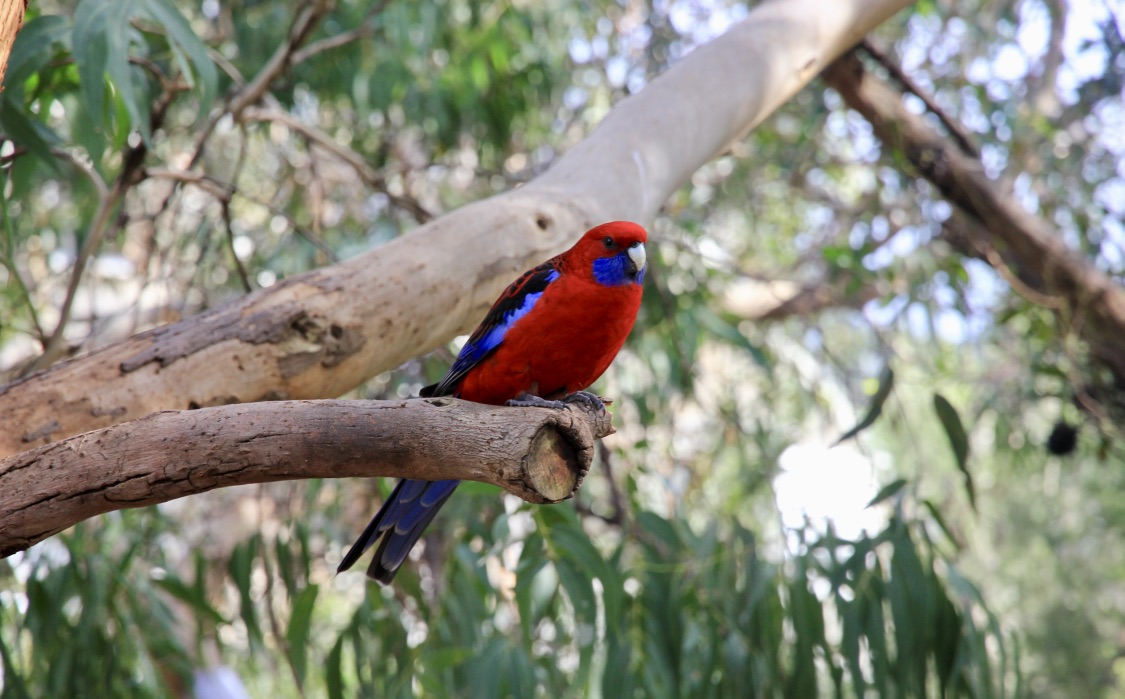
[{"x": 608, "y": 243}]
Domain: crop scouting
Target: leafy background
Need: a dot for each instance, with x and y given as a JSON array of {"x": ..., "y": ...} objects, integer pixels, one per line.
[{"x": 721, "y": 548}]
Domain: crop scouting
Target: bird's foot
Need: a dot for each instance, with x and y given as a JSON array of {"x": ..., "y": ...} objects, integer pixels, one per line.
[
  {"x": 526, "y": 400},
  {"x": 587, "y": 399}
]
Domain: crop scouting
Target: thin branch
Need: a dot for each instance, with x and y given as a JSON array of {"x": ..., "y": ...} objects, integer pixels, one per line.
[
  {"x": 372, "y": 178},
  {"x": 333, "y": 42},
  {"x": 964, "y": 140},
  {"x": 9, "y": 263},
  {"x": 308, "y": 17},
  {"x": 363, "y": 31},
  {"x": 243, "y": 276},
  {"x": 53, "y": 347},
  {"x": 220, "y": 190},
  {"x": 538, "y": 454},
  {"x": 224, "y": 191},
  {"x": 973, "y": 242},
  {"x": 109, "y": 200},
  {"x": 616, "y": 498}
]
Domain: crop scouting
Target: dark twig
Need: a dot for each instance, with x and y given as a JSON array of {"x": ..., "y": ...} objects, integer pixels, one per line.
[
  {"x": 238, "y": 266},
  {"x": 109, "y": 201},
  {"x": 964, "y": 141},
  {"x": 363, "y": 31},
  {"x": 368, "y": 174},
  {"x": 308, "y": 17},
  {"x": 615, "y": 496}
]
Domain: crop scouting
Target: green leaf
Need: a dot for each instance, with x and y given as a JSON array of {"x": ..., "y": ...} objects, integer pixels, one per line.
[
  {"x": 575, "y": 545},
  {"x": 91, "y": 53},
  {"x": 14, "y": 685},
  {"x": 875, "y": 406},
  {"x": 101, "y": 41},
  {"x": 182, "y": 37},
  {"x": 729, "y": 332},
  {"x": 33, "y": 135},
  {"x": 34, "y": 47},
  {"x": 124, "y": 75},
  {"x": 808, "y": 625},
  {"x": 958, "y": 440},
  {"x": 334, "y": 671},
  {"x": 579, "y": 587},
  {"x": 241, "y": 566},
  {"x": 190, "y": 596},
  {"x": 297, "y": 634},
  {"x": 887, "y": 491},
  {"x": 936, "y": 514},
  {"x": 536, "y": 585}
]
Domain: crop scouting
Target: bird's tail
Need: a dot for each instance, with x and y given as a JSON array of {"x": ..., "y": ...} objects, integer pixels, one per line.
[{"x": 400, "y": 522}]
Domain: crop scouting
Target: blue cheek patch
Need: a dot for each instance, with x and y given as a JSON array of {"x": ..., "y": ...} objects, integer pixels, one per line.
[{"x": 610, "y": 271}]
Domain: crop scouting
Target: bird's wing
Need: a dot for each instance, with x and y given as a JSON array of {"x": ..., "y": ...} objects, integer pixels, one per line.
[{"x": 516, "y": 301}]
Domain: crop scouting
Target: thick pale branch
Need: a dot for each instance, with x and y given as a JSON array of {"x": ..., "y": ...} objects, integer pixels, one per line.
[
  {"x": 1091, "y": 301},
  {"x": 539, "y": 454},
  {"x": 320, "y": 334}
]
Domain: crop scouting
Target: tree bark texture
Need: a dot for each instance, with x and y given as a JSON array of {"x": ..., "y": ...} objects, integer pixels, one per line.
[
  {"x": 1087, "y": 298},
  {"x": 11, "y": 19},
  {"x": 539, "y": 454},
  {"x": 322, "y": 333}
]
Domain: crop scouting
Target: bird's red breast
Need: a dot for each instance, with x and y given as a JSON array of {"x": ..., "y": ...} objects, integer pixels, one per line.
[{"x": 574, "y": 330}]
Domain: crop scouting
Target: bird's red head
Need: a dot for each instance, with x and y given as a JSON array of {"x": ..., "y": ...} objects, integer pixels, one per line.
[{"x": 612, "y": 253}]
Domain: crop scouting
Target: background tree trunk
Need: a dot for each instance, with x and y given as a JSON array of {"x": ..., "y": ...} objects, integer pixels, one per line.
[{"x": 1086, "y": 298}]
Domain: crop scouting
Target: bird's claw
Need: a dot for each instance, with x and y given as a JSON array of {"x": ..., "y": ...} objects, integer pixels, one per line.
[
  {"x": 583, "y": 398},
  {"x": 526, "y": 400},
  {"x": 588, "y": 400}
]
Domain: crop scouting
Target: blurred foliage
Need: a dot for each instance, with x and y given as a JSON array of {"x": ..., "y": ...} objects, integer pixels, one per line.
[{"x": 720, "y": 548}]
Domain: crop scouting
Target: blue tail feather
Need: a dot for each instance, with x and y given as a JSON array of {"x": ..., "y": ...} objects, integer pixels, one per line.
[{"x": 399, "y": 523}]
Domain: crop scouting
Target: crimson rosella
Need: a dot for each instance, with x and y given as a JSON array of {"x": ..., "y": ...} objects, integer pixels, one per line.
[{"x": 550, "y": 335}]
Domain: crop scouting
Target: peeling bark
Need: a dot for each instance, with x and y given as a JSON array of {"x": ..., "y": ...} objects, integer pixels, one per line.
[{"x": 538, "y": 454}]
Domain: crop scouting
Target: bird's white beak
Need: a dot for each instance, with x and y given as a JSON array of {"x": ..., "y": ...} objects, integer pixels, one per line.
[{"x": 637, "y": 256}]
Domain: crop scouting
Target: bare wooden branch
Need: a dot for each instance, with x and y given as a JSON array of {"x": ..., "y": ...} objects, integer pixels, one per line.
[
  {"x": 538, "y": 454},
  {"x": 1036, "y": 253}
]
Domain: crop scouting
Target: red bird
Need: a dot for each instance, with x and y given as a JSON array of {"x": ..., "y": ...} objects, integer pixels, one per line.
[{"x": 551, "y": 334}]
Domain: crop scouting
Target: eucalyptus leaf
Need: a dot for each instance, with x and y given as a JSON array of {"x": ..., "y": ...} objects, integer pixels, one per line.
[
  {"x": 958, "y": 441},
  {"x": 874, "y": 406}
]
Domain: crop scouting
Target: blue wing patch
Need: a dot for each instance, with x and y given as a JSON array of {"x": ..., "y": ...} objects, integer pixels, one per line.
[
  {"x": 515, "y": 303},
  {"x": 617, "y": 271}
]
